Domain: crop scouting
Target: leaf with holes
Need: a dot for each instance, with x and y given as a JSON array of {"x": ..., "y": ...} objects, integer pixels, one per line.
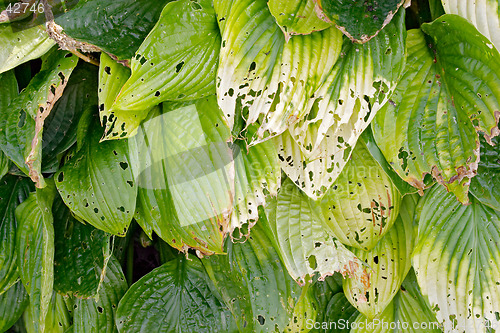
[
  {"x": 21, "y": 45},
  {"x": 178, "y": 59},
  {"x": 297, "y": 17},
  {"x": 271, "y": 78},
  {"x": 486, "y": 185},
  {"x": 176, "y": 297},
  {"x": 464, "y": 240},
  {"x": 186, "y": 176},
  {"x": 428, "y": 126},
  {"x": 303, "y": 243},
  {"x": 58, "y": 318},
  {"x": 118, "y": 124},
  {"x": 60, "y": 126},
  {"x": 390, "y": 261},
  {"x": 21, "y": 123},
  {"x": 363, "y": 204},
  {"x": 98, "y": 184},
  {"x": 13, "y": 191},
  {"x": 117, "y": 27},
  {"x": 360, "y": 21},
  {"x": 316, "y": 148},
  {"x": 483, "y": 14},
  {"x": 35, "y": 251},
  {"x": 81, "y": 254},
  {"x": 98, "y": 314},
  {"x": 257, "y": 288}
]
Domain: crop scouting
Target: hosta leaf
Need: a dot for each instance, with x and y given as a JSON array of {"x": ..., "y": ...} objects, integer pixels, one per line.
[
  {"x": 305, "y": 311},
  {"x": 4, "y": 164},
  {"x": 81, "y": 254},
  {"x": 359, "y": 20},
  {"x": 117, "y": 27},
  {"x": 12, "y": 305},
  {"x": 320, "y": 144},
  {"x": 21, "y": 123},
  {"x": 303, "y": 243},
  {"x": 58, "y": 319},
  {"x": 9, "y": 88},
  {"x": 60, "y": 127},
  {"x": 297, "y": 17},
  {"x": 176, "y": 297},
  {"x": 483, "y": 14},
  {"x": 178, "y": 59},
  {"x": 258, "y": 175},
  {"x": 486, "y": 185},
  {"x": 13, "y": 191},
  {"x": 35, "y": 251},
  {"x": 427, "y": 128},
  {"x": 98, "y": 185},
  {"x": 254, "y": 283},
  {"x": 390, "y": 261},
  {"x": 456, "y": 260},
  {"x": 363, "y": 204},
  {"x": 21, "y": 45},
  {"x": 186, "y": 153},
  {"x": 118, "y": 123},
  {"x": 97, "y": 315},
  {"x": 408, "y": 312},
  {"x": 272, "y": 79}
]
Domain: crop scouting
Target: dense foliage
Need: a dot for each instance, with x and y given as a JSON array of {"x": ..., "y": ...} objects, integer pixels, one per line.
[{"x": 249, "y": 166}]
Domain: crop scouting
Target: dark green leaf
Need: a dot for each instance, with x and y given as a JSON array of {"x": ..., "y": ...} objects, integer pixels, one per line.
[
  {"x": 81, "y": 254},
  {"x": 97, "y": 315},
  {"x": 59, "y": 131},
  {"x": 176, "y": 297},
  {"x": 117, "y": 27},
  {"x": 12, "y": 305},
  {"x": 359, "y": 20},
  {"x": 13, "y": 191},
  {"x": 58, "y": 319}
]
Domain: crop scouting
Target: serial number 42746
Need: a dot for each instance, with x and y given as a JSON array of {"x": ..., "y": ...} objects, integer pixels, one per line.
[{"x": 23, "y": 7}]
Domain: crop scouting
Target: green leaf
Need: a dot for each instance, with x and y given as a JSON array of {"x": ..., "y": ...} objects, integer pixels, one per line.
[
  {"x": 12, "y": 305},
  {"x": 272, "y": 79},
  {"x": 363, "y": 204},
  {"x": 117, "y": 27},
  {"x": 456, "y": 260},
  {"x": 58, "y": 319},
  {"x": 316, "y": 148},
  {"x": 486, "y": 185},
  {"x": 35, "y": 251},
  {"x": 9, "y": 88},
  {"x": 21, "y": 123},
  {"x": 304, "y": 311},
  {"x": 4, "y": 164},
  {"x": 176, "y": 297},
  {"x": 427, "y": 127},
  {"x": 178, "y": 59},
  {"x": 118, "y": 123},
  {"x": 21, "y": 45},
  {"x": 60, "y": 127},
  {"x": 13, "y": 191},
  {"x": 408, "y": 312},
  {"x": 338, "y": 312},
  {"x": 483, "y": 14},
  {"x": 390, "y": 261},
  {"x": 254, "y": 283},
  {"x": 98, "y": 315},
  {"x": 98, "y": 184},
  {"x": 297, "y": 17},
  {"x": 186, "y": 176},
  {"x": 360, "y": 21},
  {"x": 81, "y": 254},
  {"x": 303, "y": 243}
]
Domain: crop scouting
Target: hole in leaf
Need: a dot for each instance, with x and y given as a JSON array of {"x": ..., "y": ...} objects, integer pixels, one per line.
[{"x": 179, "y": 67}]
